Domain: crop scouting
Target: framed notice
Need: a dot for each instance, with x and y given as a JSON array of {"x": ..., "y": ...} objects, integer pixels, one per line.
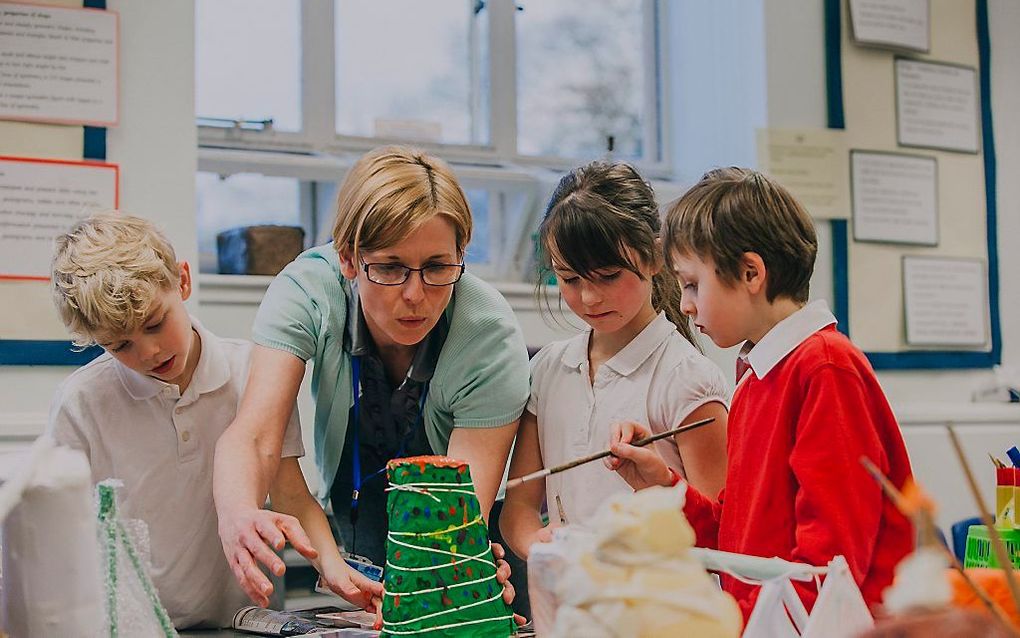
[
  {"x": 894, "y": 197},
  {"x": 937, "y": 106},
  {"x": 58, "y": 64},
  {"x": 945, "y": 301},
  {"x": 898, "y": 24},
  {"x": 39, "y": 199},
  {"x": 812, "y": 164}
]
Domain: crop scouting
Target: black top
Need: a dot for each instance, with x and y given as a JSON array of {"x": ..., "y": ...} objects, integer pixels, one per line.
[{"x": 389, "y": 427}]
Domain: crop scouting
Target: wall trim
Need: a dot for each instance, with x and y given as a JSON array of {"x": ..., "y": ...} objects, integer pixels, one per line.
[
  {"x": 22, "y": 426},
  {"x": 909, "y": 414}
]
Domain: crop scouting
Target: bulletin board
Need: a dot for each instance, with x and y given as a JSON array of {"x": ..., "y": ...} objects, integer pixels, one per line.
[
  {"x": 869, "y": 281},
  {"x": 30, "y": 330}
]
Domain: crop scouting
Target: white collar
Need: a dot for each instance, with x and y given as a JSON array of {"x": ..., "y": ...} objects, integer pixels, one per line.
[
  {"x": 632, "y": 355},
  {"x": 785, "y": 336},
  {"x": 211, "y": 373}
]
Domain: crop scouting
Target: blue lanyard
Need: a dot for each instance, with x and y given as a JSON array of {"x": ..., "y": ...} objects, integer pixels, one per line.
[{"x": 358, "y": 480}]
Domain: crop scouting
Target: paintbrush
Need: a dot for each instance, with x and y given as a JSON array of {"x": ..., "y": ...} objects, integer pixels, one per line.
[{"x": 601, "y": 455}]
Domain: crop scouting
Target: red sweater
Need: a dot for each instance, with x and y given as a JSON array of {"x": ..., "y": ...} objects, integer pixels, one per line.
[{"x": 794, "y": 485}]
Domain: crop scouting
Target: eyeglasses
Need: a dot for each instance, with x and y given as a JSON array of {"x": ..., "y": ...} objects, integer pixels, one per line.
[{"x": 390, "y": 274}]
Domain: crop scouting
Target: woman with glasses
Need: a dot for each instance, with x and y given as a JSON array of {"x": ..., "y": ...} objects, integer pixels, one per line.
[{"x": 411, "y": 355}]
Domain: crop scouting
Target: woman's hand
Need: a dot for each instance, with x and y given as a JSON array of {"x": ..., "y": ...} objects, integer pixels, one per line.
[
  {"x": 247, "y": 537},
  {"x": 641, "y": 467},
  {"x": 354, "y": 587},
  {"x": 503, "y": 578}
]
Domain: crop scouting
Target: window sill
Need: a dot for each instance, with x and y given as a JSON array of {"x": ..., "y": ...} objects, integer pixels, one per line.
[{"x": 249, "y": 289}]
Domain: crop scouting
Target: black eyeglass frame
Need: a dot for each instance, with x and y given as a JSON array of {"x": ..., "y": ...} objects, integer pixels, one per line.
[{"x": 408, "y": 270}]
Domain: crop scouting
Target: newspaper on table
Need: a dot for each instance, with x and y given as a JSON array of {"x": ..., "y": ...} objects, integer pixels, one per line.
[{"x": 321, "y": 621}]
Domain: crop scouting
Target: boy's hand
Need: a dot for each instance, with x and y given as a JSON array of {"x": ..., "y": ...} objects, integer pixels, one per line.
[
  {"x": 247, "y": 537},
  {"x": 354, "y": 587},
  {"x": 503, "y": 578},
  {"x": 641, "y": 467}
]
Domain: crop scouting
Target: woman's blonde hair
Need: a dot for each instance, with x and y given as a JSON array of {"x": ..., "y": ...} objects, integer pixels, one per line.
[
  {"x": 107, "y": 271},
  {"x": 390, "y": 192}
]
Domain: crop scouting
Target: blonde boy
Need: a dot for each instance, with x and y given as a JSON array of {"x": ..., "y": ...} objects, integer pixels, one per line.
[
  {"x": 150, "y": 410},
  {"x": 807, "y": 405}
]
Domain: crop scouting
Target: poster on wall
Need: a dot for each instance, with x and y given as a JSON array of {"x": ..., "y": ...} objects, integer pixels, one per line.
[
  {"x": 937, "y": 106},
  {"x": 39, "y": 199},
  {"x": 812, "y": 164},
  {"x": 58, "y": 64},
  {"x": 945, "y": 301},
  {"x": 897, "y": 24},
  {"x": 894, "y": 197}
]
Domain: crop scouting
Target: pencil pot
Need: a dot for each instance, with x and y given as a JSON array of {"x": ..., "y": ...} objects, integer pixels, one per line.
[
  {"x": 979, "y": 547},
  {"x": 1006, "y": 481}
]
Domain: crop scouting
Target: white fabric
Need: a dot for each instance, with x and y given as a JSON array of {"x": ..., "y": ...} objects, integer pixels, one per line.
[
  {"x": 634, "y": 575},
  {"x": 778, "y": 612},
  {"x": 657, "y": 379},
  {"x": 840, "y": 610},
  {"x": 160, "y": 444},
  {"x": 51, "y": 570},
  {"x": 785, "y": 336}
]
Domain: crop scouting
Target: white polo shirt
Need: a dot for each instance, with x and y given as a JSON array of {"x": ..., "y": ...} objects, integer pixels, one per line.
[
  {"x": 657, "y": 379},
  {"x": 161, "y": 444}
]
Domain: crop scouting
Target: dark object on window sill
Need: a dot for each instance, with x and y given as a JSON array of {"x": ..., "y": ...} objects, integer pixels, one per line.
[{"x": 258, "y": 250}]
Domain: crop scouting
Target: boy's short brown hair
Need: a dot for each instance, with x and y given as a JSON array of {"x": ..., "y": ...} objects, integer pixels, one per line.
[
  {"x": 731, "y": 211},
  {"x": 107, "y": 271}
]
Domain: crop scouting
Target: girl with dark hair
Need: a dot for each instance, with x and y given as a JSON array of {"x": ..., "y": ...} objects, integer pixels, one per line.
[{"x": 636, "y": 361}]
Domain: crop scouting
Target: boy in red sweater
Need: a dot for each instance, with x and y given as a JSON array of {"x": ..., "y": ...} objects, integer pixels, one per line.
[{"x": 807, "y": 405}]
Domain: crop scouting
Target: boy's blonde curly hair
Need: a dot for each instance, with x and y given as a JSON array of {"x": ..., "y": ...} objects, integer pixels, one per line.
[{"x": 107, "y": 271}]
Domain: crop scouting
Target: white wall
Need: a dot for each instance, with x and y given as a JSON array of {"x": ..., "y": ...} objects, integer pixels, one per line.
[{"x": 155, "y": 146}]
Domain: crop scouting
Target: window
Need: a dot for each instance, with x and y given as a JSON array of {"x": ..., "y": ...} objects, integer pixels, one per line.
[
  {"x": 581, "y": 79},
  {"x": 238, "y": 77},
  {"x": 410, "y": 69},
  {"x": 501, "y": 89},
  {"x": 242, "y": 200}
]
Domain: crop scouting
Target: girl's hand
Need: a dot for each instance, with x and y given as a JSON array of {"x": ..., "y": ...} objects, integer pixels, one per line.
[
  {"x": 354, "y": 587},
  {"x": 544, "y": 534},
  {"x": 641, "y": 467}
]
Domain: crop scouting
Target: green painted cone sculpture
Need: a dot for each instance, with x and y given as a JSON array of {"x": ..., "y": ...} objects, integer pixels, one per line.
[{"x": 440, "y": 576}]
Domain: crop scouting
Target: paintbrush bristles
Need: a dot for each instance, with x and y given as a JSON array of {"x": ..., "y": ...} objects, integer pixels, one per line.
[{"x": 512, "y": 483}]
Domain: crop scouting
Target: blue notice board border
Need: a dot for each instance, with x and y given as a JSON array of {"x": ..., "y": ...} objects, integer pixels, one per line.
[
  {"x": 17, "y": 352},
  {"x": 926, "y": 359}
]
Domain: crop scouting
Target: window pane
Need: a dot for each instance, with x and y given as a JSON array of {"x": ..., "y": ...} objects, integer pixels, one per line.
[
  {"x": 580, "y": 78},
  {"x": 478, "y": 251},
  {"x": 408, "y": 69},
  {"x": 248, "y": 60},
  {"x": 244, "y": 199}
]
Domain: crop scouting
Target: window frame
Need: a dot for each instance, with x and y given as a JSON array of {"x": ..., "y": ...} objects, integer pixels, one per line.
[{"x": 318, "y": 97}]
